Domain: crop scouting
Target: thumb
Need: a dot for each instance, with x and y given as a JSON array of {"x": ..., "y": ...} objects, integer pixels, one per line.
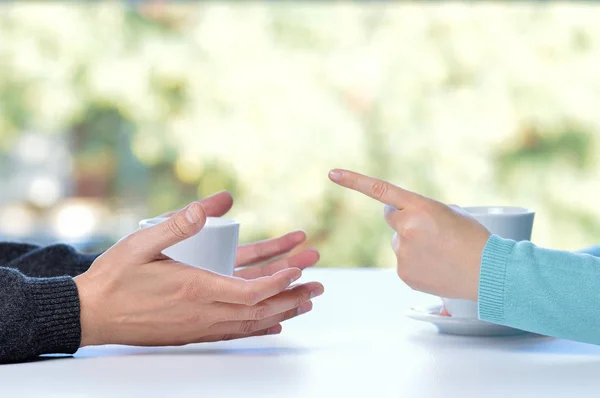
[{"x": 182, "y": 225}]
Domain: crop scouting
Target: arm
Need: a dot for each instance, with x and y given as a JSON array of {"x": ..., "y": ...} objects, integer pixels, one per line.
[
  {"x": 550, "y": 292},
  {"x": 58, "y": 315},
  {"x": 442, "y": 250},
  {"x": 37, "y": 316},
  {"x": 49, "y": 261}
]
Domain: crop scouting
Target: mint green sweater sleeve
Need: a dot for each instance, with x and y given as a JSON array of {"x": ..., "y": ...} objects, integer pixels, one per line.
[{"x": 550, "y": 292}]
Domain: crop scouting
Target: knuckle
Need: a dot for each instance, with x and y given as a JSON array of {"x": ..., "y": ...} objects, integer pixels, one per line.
[
  {"x": 288, "y": 315},
  {"x": 379, "y": 189},
  {"x": 259, "y": 311},
  {"x": 190, "y": 290},
  {"x": 247, "y": 327},
  {"x": 267, "y": 269},
  {"x": 408, "y": 231},
  {"x": 261, "y": 250},
  {"x": 300, "y": 300},
  {"x": 250, "y": 296},
  {"x": 224, "y": 313},
  {"x": 176, "y": 227},
  {"x": 350, "y": 180}
]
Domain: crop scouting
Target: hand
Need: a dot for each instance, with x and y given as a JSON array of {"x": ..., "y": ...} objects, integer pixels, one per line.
[
  {"x": 260, "y": 259},
  {"x": 438, "y": 247},
  {"x": 135, "y": 295}
]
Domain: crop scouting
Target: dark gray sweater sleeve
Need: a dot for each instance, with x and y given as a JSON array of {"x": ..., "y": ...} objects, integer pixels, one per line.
[
  {"x": 37, "y": 316},
  {"x": 12, "y": 250},
  {"x": 39, "y": 302},
  {"x": 48, "y": 261}
]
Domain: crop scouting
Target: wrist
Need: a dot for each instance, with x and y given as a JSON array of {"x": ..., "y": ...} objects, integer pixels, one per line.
[
  {"x": 480, "y": 244},
  {"x": 89, "y": 325}
]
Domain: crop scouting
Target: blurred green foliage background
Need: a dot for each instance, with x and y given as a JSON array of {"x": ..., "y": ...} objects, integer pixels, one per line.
[{"x": 111, "y": 113}]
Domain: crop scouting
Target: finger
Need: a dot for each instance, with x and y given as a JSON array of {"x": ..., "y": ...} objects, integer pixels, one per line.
[
  {"x": 246, "y": 327},
  {"x": 250, "y": 292},
  {"x": 283, "y": 302},
  {"x": 392, "y": 216},
  {"x": 155, "y": 239},
  {"x": 265, "y": 332},
  {"x": 302, "y": 260},
  {"x": 266, "y": 250},
  {"x": 377, "y": 189},
  {"x": 216, "y": 205}
]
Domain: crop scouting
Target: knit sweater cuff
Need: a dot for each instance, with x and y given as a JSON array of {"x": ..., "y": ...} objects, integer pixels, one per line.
[
  {"x": 56, "y": 314},
  {"x": 492, "y": 277}
]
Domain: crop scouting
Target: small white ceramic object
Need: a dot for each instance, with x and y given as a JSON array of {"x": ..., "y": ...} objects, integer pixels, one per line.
[
  {"x": 461, "y": 308},
  {"x": 213, "y": 248},
  {"x": 459, "y": 326},
  {"x": 508, "y": 222}
]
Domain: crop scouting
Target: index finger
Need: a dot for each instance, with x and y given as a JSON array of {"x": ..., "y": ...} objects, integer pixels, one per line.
[{"x": 375, "y": 188}]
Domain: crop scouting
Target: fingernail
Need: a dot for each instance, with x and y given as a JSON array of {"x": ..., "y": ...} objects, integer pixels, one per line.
[
  {"x": 295, "y": 277},
  {"x": 316, "y": 293},
  {"x": 192, "y": 216},
  {"x": 335, "y": 175}
]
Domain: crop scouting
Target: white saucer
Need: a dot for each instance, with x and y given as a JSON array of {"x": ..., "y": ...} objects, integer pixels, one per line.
[{"x": 459, "y": 326}]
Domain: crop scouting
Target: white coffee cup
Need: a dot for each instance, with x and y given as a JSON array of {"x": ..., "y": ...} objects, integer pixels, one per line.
[
  {"x": 508, "y": 222},
  {"x": 213, "y": 248}
]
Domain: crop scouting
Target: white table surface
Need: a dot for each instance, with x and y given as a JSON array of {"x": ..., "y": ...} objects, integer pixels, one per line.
[{"x": 355, "y": 343}]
